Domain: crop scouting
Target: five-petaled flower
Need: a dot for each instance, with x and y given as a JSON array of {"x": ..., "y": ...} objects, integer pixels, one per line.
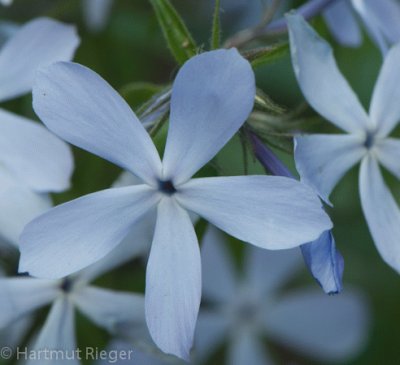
[
  {"x": 322, "y": 159},
  {"x": 212, "y": 96}
]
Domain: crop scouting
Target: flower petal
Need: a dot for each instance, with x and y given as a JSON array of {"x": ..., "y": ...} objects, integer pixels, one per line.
[
  {"x": 57, "y": 334},
  {"x": 323, "y": 159},
  {"x": 173, "y": 281},
  {"x": 320, "y": 80},
  {"x": 385, "y": 112},
  {"x": 38, "y": 43},
  {"x": 268, "y": 211},
  {"x": 388, "y": 154},
  {"x": 76, "y": 234},
  {"x": 136, "y": 243},
  {"x": 23, "y": 295},
  {"x": 343, "y": 24},
  {"x": 18, "y": 206},
  {"x": 381, "y": 212},
  {"x": 266, "y": 271},
  {"x": 96, "y": 13},
  {"x": 211, "y": 331},
  {"x": 246, "y": 348},
  {"x": 324, "y": 262},
  {"x": 212, "y": 96},
  {"x": 218, "y": 274},
  {"x": 109, "y": 308},
  {"x": 33, "y": 154},
  {"x": 328, "y": 328},
  {"x": 79, "y": 106}
]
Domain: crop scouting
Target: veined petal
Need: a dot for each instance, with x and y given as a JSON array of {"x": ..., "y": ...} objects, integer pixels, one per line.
[
  {"x": 323, "y": 159},
  {"x": 18, "y": 206},
  {"x": 33, "y": 154},
  {"x": 136, "y": 243},
  {"x": 109, "y": 308},
  {"x": 79, "y": 106},
  {"x": 38, "y": 43},
  {"x": 324, "y": 262},
  {"x": 211, "y": 331},
  {"x": 320, "y": 80},
  {"x": 246, "y": 348},
  {"x": 328, "y": 328},
  {"x": 388, "y": 154},
  {"x": 266, "y": 271},
  {"x": 343, "y": 24},
  {"x": 381, "y": 212},
  {"x": 57, "y": 334},
  {"x": 218, "y": 274},
  {"x": 173, "y": 281},
  {"x": 20, "y": 296},
  {"x": 76, "y": 234},
  {"x": 385, "y": 112},
  {"x": 212, "y": 96},
  {"x": 268, "y": 211}
]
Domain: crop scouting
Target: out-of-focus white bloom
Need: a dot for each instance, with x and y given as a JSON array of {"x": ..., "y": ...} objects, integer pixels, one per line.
[
  {"x": 96, "y": 13},
  {"x": 33, "y": 162},
  {"x": 248, "y": 310},
  {"x": 380, "y": 18},
  {"x": 109, "y": 309}
]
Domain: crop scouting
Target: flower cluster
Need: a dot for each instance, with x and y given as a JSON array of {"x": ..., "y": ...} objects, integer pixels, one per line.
[{"x": 175, "y": 209}]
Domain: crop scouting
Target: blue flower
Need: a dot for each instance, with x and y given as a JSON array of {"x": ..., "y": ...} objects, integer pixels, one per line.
[
  {"x": 212, "y": 96},
  {"x": 244, "y": 310},
  {"x": 322, "y": 160}
]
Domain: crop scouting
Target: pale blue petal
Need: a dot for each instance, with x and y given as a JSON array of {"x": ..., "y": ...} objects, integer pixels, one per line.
[
  {"x": 39, "y": 159},
  {"x": 173, "y": 281},
  {"x": 343, "y": 24},
  {"x": 109, "y": 309},
  {"x": 323, "y": 159},
  {"x": 79, "y": 106},
  {"x": 325, "y": 262},
  {"x": 211, "y": 331},
  {"x": 320, "y": 80},
  {"x": 246, "y": 348},
  {"x": 18, "y": 206},
  {"x": 96, "y": 13},
  {"x": 135, "y": 244},
  {"x": 218, "y": 272},
  {"x": 387, "y": 15},
  {"x": 385, "y": 110},
  {"x": 20, "y": 296},
  {"x": 266, "y": 271},
  {"x": 38, "y": 43},
  {"x": 212, "y": 96},
  {"x": 58, "y": 333},
  {"x": 76, "y": 234},
  {"x": 267, "y": 211},
  {"x": 126, "y": 178},
  {"x": 327, "y": 328},
  {"x": 381, "y": 212},
  {"x": 388, "y": 154}
]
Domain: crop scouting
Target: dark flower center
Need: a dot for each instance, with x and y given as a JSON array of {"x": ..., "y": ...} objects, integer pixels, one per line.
[
  {"x": 166, "y": 187},
  {"x": 369, "y": 140},
  {"x": 66, "y": 285}
]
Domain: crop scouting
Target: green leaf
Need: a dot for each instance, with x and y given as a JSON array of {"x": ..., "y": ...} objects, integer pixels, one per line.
[
  {"x": 179, "y": 40},
  {"x": 138, "y": 93},
  {"x": 216, "y": 27},
  {"x": 266, "y": 55}
]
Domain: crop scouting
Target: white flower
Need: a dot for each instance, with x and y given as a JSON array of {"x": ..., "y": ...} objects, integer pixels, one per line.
[
  {"x": 322, "y": 160},
  {"x": 245, "y": 311},
  {"x": 109, "y": 309},
  {"x": 33, "y": 162},
  {"x": 380, "y": 18},
  {"x": 212, "y": 96}
]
